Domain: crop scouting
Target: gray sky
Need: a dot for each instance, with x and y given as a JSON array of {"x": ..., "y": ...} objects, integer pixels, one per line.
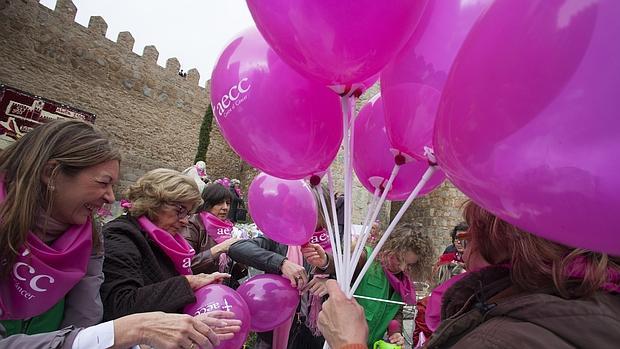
[{"x": 194, "y": 31}]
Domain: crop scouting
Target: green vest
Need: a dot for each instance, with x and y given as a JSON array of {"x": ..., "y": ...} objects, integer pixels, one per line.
[
  {"x": 378, "y": 314},
  {"x": 46, "y": 322}
]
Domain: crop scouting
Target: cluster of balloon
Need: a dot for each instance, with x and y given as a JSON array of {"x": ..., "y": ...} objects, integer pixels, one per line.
[
  {"x": 373, "y": 161},
  {"x": 284, "y": 210},
  {"x": 219, "y": 297},
  {"x": 528, "y": 121}
]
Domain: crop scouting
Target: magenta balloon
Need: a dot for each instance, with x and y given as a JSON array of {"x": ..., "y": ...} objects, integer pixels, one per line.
[
  {"x": 528, "y": 123},
  {"x": 271, "y": 300},
  {"x": 337, "y": 43},
  {"x": 219, "y": 297},
  {"x": 284, "y": 210},
  {"x": 275, "y": 119},
  {"x": 373, "y": 161},
  {"x": 411, "y": 84}
]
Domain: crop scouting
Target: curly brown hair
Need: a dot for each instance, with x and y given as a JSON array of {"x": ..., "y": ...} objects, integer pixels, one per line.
[{"x": 409, "y": 237}]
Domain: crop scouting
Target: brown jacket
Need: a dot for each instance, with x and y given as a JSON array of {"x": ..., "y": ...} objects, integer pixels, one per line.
[
  {"x": 484, "y": 311},
  {"x": 204, "y": 261}
]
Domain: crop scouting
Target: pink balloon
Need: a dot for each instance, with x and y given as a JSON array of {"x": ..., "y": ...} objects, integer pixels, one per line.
[
  {"x": 528, "y": 123},
  {"x": 275, "y": 119},
  {"x": 219, "y": 297},
  {"x": 411, "y": 84},
  {"x": 271, "y": 300},
  {"x": 373, "y": 161},
  {"x": 337, "y": 43},
  {"x": 285, "y": 210}
]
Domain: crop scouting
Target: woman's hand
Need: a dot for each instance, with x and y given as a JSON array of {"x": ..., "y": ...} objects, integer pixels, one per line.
[
  {"x": 316, "y": 286},
  {"x": 397, "y": 338},
  {"x": 199, "y": 280},
  {"x": 342, "y": 320},
  {"x": 223, "y": 247},
  {"x": 223, "y": 323},
  {"x": 315, "y": 255},
  {"x": 163, "y": 331},
  {"x": 294, "y": 272}
]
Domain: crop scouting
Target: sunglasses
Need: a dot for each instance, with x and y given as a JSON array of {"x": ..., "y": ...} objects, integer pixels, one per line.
[{"x": 463, "y": 238}]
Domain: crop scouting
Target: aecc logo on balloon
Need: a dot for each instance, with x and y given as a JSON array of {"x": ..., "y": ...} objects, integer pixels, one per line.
[{"x": 236, "y": 95}]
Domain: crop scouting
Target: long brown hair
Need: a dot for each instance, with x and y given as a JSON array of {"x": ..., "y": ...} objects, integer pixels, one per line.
[
  {"x": 536, "y": 263},
  {"x": 74, "y": 144}
]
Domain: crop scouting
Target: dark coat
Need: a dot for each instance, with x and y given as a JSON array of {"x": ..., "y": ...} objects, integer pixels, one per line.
[
  {"x": 485, "y": 311},
  {"x": 139, "y": 277}
]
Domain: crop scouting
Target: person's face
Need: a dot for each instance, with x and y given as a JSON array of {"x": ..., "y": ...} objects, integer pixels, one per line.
[
  {"x": 459, "y": 243},
  {"x": 76, "y": 198},
  {"x": 396, "y": 265},
  {"x": 220, "y": 210},
  {"x": 173, "y": 216},
  {"x": 472, "y": 258}
]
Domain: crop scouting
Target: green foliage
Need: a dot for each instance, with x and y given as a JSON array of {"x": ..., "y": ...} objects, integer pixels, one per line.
[{"x": 204, "y": 137}]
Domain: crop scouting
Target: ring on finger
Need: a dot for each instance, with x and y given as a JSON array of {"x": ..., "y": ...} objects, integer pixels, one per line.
[{"x": 192, "y": 345}]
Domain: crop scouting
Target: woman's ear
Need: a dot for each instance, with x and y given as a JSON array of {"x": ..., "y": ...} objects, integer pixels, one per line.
[{"x": 48, "y": 171}]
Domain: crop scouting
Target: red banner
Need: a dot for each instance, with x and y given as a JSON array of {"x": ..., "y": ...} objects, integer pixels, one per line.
[{"x": 20, "y": 112}]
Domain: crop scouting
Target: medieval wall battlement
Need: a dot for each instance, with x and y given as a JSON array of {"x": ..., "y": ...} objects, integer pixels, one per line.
[{"x": 151, "y": 112}]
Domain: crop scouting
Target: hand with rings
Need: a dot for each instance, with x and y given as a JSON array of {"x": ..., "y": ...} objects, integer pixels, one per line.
[{"x": 295, "y": 273}]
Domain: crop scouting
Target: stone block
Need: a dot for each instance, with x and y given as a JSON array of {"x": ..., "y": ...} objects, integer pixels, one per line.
[
  {"x": 150, "y": 54},
  {"x": 97, "y": 25},
  {"x": 125, "y": 40},
  {"x": 66, "y": 10}
]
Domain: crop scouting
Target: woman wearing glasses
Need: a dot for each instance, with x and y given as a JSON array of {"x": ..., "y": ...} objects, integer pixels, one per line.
[{"x": 147, "y": 262}]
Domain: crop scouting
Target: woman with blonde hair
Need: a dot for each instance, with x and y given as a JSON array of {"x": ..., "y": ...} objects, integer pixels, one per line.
[
  {"x": 51, "y": 181},
  {"x": 528, "y": 292},
  {"x": 148, "y": 262}
]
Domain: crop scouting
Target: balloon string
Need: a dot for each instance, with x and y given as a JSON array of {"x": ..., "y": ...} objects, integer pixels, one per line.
[
  {"x": 338, "y": 252},
  {"x": 377, "y": 209},
  {"x": 369, "y": 211},
  {"x": 330, "y": 229},
  {"x": 380, "y": 300},
  {"x": 425, "y": 178},
  {"x": 346, "y": 110}
]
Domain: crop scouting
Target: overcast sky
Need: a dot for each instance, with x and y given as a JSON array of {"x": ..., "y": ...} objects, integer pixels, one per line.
[{"x": 194, "y": 31}]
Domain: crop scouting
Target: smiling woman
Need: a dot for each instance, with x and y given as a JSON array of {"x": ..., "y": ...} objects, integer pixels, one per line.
[{"x": 51, "y": 181}]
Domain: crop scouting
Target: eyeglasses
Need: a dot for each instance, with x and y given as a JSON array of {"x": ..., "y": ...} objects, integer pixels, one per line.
[{"x": 182, "y": 212}]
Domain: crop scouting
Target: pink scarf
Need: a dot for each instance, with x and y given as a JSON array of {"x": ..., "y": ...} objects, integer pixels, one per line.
[
  {"x": 280, "y": 333},
  {"x": 577, "y": 269},
  {"x": 402, "y": 285},
  {"x": 173, "y": 245},
  {"x": 433, "y": 307},
  {"x": 322, "y": 238},
  {"x": 220, "y": 231},
  {"x": 43, "y": 274}
]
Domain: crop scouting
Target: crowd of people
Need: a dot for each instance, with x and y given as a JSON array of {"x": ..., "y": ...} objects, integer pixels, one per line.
[{"x": 66, "y": 284}]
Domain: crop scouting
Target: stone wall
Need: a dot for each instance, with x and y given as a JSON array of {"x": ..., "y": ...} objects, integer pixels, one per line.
[
  {"x": 150, "y": 112},
  {"x": 438, "y": 212}
]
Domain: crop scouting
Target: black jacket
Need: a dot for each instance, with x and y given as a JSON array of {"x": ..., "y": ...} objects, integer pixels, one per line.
[
  {"x": 139, "y": 277},
  {"x": 260, "y": 253}
]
